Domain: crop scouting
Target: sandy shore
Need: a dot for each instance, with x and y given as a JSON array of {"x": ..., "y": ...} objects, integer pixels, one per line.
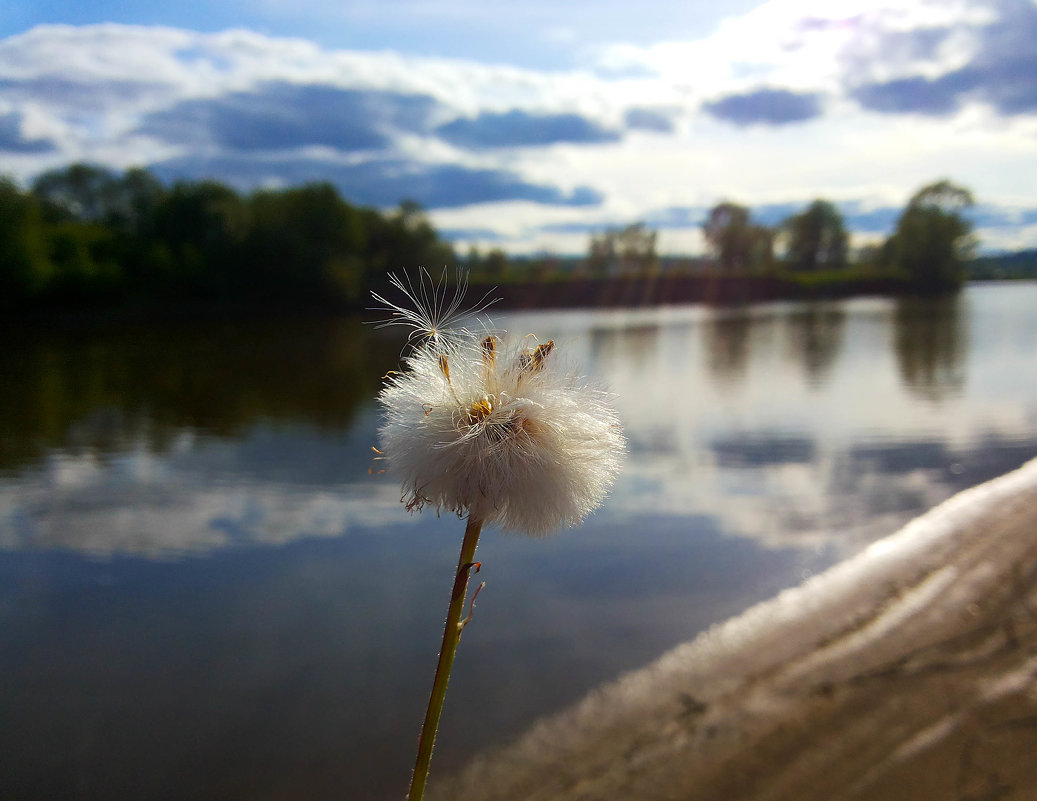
[{"x": 908, "y": 672}]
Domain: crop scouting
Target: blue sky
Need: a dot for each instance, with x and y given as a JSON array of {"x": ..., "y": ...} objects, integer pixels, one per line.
[{"x": 526, "y": 126}]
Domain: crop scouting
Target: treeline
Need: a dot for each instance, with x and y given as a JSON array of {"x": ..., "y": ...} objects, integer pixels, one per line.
[
  {"x": 84, "y": 236},
  {"x": 925, "y": 253},
  {"x": 1004, "y": 267},
  {"x": 87, "y": 237}
]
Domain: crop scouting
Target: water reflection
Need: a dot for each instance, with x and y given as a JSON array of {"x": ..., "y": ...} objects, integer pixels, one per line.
[
  {"x": 115, "y": 390},
  {"x": 203, "y": 592},
  {"x": 726, "y": 337},
  {"x": 815, "y": 337},
  {"x": 639, "y": 342},
  {"x": 931, "y": 337},
  {"x": 189, "y": 438}
]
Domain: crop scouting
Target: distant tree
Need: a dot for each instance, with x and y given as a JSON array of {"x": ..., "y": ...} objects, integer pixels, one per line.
[
  {"x": 82, "y": 192},
  {"x": 629, "y": 250},
  {"x": 816, "y": 238},
  {"x": 761, "y": 248},
  {"x": 202, "y": 227},
  {"x": 637, "y": 249},
  {"x": 85, "y": 268},
  {"x": 403, "y": 242},
  {"x": 726, "y": 230},
  {"x": 869, "y": 255},
  {"x": 473, "y": 260},
  {"x": 86, "y": 235},
  {"x": 601, "y": 253},
  {"x": 495, "y": 264},
  {"x": 734, "y": 241},
  {"x": 932, "y": 238},
  {"x": 305, "y": 243},
  {"x": 91, "y": 194},
  {"x": 131, "y": 201}
]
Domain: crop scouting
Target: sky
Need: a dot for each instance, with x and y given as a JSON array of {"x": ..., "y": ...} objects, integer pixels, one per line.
[{"x": 529, "y": 126}]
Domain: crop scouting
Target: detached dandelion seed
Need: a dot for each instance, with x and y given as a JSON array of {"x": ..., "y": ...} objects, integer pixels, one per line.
[
  {"x": 495, "y": 433},
  {"x": 429, "y": 311}
]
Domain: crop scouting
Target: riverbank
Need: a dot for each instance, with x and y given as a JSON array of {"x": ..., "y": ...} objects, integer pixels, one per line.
[
  {"x": 907, "y": 672},
  {"x": 558, "y": 292},
  {"x": 677, "y": 288}
]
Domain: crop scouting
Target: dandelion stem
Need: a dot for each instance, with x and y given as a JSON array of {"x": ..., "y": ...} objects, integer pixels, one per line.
[{"x": 451, "y": 635}]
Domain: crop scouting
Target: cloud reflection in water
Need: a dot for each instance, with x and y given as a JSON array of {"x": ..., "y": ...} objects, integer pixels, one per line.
[{"x": 791, "y": 424}]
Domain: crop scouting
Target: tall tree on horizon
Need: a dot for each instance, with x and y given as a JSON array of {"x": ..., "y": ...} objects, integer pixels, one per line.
[
  {"x": 933, "y": 238},
  {"x": 816, "y": 238},
  {"x": 735, "y": 241}
]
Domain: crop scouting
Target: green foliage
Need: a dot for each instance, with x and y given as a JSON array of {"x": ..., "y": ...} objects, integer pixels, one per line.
[
  {"x": 24, "y": 265},
  {"x": 1005, "y": 266},
  {"x": 403, "y": 243},
  {"x": 820, "y": 278},
  {"x": 816, "y": 238},
  {"x": 932, "y": 238},
  {"x": 492, "y": 267},
  {"x": 624, "y": 251},
  {"x": 87, "y": 236},
  {"x": 205, "y": 227},
  {"x": 82, "y": 192},
  {"x": 306, "y": 241},
  {"x": 736, "y": 243},
  {"x": 83, "y": 267}
]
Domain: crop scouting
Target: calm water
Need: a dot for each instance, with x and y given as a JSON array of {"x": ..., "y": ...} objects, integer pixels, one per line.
[{"x": 204, "y": 594}]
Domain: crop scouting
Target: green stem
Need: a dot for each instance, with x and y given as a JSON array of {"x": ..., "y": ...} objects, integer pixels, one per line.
[{"x": 451, "y": 635}]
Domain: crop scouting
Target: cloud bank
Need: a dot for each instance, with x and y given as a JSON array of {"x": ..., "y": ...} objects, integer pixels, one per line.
[{"x": 860, "y": 104}]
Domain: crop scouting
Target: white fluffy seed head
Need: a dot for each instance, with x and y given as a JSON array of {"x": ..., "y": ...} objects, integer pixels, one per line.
[{"x": 503, "y": 435}]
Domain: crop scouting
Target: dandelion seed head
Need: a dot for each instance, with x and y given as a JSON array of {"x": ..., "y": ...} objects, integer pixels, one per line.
[{"x": 504, "y": 434}]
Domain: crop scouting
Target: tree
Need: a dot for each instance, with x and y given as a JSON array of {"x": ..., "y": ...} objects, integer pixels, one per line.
[
  {"x": 131, "y": 202},
  {"x": 90, "y": 194},
  {"x": 495, "y": 264},
  {"x": 637, "y": 249},
  {"x": 761, "y": 248},
  {"x": 84, "y": 263},
  {"x": 933, "y": 238},
  {"x": 816, "y": 238},
  {"x": 87, "y": 235},
  {"x": 601, "y": 253},
  {"x": 735, "y": 241},
  {"x": 202, "y": 226},
  {"x": 306, "y": 242},
  {"x": 403, "y": 242},
  {"x": 80, "y": 192},
  {"x": 629, "y": 250}
]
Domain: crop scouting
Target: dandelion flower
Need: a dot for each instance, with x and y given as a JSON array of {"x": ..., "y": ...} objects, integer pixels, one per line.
[
  {"x": 502, "y": 435},
  {"x": 497, "y": 434}
]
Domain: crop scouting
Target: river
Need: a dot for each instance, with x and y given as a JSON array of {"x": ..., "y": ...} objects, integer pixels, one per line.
[{"x": 206, "y": 592}]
